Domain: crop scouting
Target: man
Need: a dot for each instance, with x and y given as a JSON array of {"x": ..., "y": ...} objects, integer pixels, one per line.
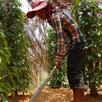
[{"x": 70, "y": 42}]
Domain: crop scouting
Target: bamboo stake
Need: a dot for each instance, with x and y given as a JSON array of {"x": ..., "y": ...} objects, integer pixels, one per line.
[{"x": 40, "y": 87}]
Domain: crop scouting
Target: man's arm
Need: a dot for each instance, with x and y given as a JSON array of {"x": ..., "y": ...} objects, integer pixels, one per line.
[{"x": 62, "y": 47}]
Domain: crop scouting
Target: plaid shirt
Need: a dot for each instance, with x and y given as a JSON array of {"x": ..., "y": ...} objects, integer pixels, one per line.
[{"x": 67, "y": 31}]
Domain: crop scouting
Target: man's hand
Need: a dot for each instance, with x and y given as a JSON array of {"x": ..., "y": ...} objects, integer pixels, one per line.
[{"x": 58, "y": 64}]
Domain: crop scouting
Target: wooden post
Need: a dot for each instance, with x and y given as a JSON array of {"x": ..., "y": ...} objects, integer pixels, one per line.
[{"x": 39, "y": 88}]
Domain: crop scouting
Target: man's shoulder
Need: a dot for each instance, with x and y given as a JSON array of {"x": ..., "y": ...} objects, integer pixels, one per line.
[{"x": 57, "y": 15}]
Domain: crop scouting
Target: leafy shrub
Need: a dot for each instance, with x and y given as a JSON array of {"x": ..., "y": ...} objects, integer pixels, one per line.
[
  {"x": 5, "y": 56},
  {"x": 87, "y": 14},
  {"x": 14, "y": 66}
]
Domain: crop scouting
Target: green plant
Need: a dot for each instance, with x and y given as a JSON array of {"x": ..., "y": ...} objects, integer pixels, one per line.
[
  {"x": 14, "y": 66},
  {"x": 87, "y": 14},
  {"x": 5, "y": 56}
]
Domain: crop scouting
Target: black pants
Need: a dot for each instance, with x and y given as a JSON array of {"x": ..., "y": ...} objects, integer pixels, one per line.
[{"x": 75, "y": 69}]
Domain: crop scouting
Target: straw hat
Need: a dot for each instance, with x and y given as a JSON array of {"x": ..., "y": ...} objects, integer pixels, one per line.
[{"x": 38, "y": 5}]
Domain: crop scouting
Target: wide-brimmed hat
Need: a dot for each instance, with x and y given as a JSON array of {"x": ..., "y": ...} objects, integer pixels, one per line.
[{"x": 38, "y": 5}]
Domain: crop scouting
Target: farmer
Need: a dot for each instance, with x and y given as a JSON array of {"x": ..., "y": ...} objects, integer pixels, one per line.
[{"x": 70, "y": 43}]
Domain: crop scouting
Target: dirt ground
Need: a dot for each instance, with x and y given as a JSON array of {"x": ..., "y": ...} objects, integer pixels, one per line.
[{"x": 55, "y": 95}]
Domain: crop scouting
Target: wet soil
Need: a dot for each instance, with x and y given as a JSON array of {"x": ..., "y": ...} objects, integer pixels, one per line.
[{"x": 56, "y": 95}]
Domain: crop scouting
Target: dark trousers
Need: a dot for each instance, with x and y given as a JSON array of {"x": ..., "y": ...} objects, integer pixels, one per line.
[{"x": 75, "y": 69}]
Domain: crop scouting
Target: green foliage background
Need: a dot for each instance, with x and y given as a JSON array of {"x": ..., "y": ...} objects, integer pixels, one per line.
[
  {"x": 87, "y": 14},
  {"x": 14, "y": 65}
]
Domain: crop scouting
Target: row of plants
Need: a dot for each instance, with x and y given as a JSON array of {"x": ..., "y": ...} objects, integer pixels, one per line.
[
  {"x": 14, "y": 65},
  {"x": 88, "y": 16}
]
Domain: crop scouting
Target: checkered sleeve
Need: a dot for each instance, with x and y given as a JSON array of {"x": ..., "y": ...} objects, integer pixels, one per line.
[
  {"x": 73, "y": 28},
  {"x": 61, "y": 46}
]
